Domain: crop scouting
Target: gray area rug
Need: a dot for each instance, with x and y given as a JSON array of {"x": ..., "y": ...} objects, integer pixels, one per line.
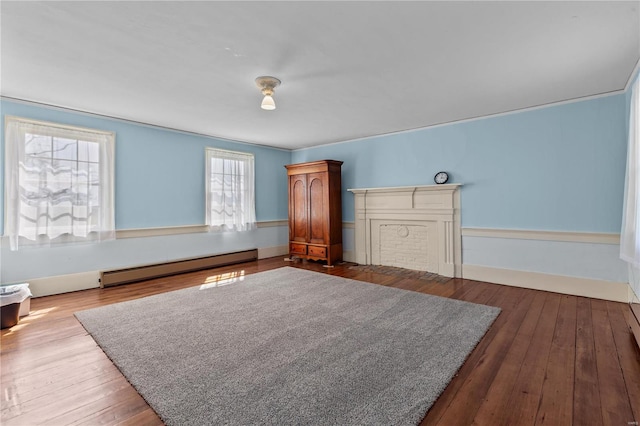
[{"x": 289, "y": 346}]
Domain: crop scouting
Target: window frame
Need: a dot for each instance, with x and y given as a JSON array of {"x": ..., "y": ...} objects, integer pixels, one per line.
[
  {"x": 249, "y": 199},
  {"x": 15, "y": 130}
]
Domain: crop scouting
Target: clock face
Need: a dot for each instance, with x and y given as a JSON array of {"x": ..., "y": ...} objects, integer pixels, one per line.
[{"x": 441, "y": 177}]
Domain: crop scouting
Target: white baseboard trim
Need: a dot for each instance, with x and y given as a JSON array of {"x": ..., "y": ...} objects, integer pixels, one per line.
[
  {"x": 597, "y": 289},
  {"x": 64, "y": 283},
  {"x": 266, "y": 252}
]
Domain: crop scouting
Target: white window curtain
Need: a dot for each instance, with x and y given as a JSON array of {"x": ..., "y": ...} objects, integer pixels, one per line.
[
  {"x": 230, "y": 193},
  {"x": 630, "y": 233},
  {"x": 59, "y": 183}
]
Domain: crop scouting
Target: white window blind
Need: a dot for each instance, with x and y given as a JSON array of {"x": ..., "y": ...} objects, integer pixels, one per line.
[
  {"x": 59, "y": 183},
  {"x": 230, "y": 194}
]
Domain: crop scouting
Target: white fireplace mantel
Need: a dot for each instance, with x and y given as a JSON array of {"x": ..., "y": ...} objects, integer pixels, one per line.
[{"x": 415, "y": 227}]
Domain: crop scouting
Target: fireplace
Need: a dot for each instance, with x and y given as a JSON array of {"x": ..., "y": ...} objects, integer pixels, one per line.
[{"x": 413, "y": 227}]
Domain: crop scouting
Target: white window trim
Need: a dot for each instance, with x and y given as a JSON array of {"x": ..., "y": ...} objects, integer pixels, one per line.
[
  {"x": 250, "y": 220},
  {"x": 107, "y": 179}
]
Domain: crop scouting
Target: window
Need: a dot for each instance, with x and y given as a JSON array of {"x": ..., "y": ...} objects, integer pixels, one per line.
[
  {"x": 630, "y": 234},
  {"x": 59, "y": 183},
  {"x": 230, "y": 195}
]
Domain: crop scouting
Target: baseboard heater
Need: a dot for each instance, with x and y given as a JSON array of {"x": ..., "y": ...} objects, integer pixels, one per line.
[{"x": 147, "y": 272}]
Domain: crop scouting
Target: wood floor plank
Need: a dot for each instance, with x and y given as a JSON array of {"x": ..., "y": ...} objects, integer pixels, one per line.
[
  {"x": 495, "y": 407},
  {"x": 120, "y": 405},
  {"x": 628, "y": 355},
  {"x": 474, "y": 390},
  {"x": 147, "y": 417},
  {"x": 26, "y": 362},
  {"x": 616, "y": 409},
  {"x": 53, "y": 372},
  {"x": 586, "y": 394},
  {"x": 490, "y": 295},
  {"x": 63, "y": 376},
  {"x": 556, "y": 404},
  {"x": 44, "y": 332},
  {"x": 468, "y": 290},
  {"x": 507, "y": 299},
  {"x": 481, "y": 295},
  {"x": 48, "y": 408},
  {"x": 527, "y": 392}
]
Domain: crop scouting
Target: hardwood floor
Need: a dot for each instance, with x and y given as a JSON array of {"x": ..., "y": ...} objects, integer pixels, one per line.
[{"x": 548, "y": 358}]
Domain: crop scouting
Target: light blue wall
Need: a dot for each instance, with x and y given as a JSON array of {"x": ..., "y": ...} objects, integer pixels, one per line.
[
  {"x": 513, "y": 167},
  {"x": 159, "y": 179},
  {"x": 555, "y": 168},
  {"x": 159, "y": 174}
]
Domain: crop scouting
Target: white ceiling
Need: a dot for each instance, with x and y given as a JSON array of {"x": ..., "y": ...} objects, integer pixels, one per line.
[{"x": 348, "y": 69}]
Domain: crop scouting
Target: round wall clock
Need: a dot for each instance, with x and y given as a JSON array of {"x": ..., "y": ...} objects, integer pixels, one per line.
[{"x": 441, "y": 177}]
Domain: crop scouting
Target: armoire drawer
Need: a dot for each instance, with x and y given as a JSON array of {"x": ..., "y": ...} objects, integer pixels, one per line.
[
  {"x": 297, "y": 248},
  {"x": 317, "y": 251}
]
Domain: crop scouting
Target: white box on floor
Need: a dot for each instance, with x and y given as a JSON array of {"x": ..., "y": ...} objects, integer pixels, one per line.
[
  {"x": 25, "y": 307},
  {"x": 15, "y": 302}
]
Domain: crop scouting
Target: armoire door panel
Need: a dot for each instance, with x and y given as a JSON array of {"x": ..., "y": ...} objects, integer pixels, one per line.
[
  {"x": 317, "y": 212},
  {"x": 299, "y": 225}
]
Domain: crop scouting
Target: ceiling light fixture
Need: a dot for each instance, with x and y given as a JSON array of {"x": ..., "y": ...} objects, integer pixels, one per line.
[{"x": 266, "y": 85}]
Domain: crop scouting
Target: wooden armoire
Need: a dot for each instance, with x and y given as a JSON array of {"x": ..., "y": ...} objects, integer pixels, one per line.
[{"x": 315, "y": 210}]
